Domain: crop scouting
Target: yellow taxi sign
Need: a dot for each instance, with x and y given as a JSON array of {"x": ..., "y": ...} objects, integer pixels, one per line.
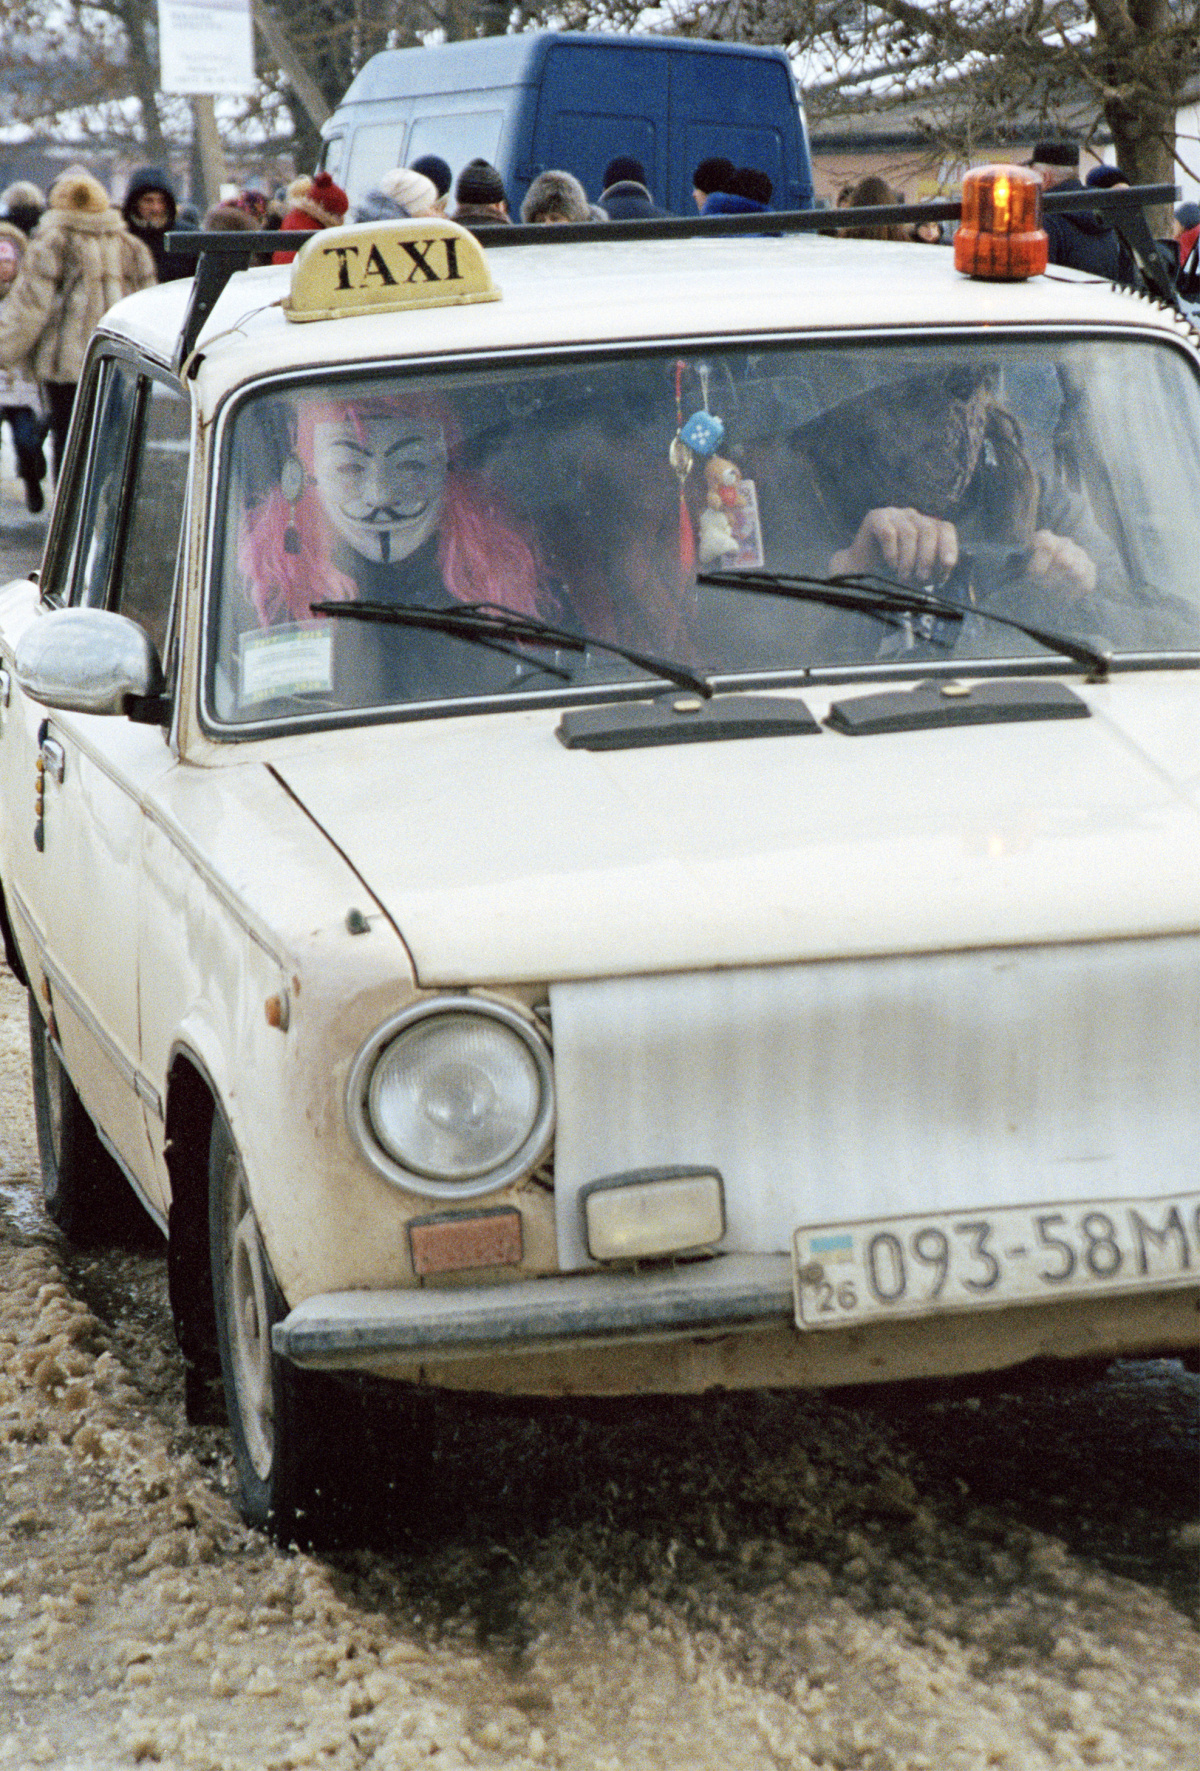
[{"x": 385, "y": 267}]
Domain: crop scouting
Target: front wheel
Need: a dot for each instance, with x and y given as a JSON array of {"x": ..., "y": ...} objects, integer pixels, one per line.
[{"x": 274, "y": 1410}]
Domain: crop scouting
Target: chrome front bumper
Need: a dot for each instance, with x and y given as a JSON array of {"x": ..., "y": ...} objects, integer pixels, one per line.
[{"x": 730, "y": 1294}]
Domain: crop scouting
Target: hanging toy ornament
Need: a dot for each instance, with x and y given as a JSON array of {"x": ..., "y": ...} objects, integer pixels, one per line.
[
  {"x": 729, "y": 532},
  {"x": 680, "y": 457},
  {"x": 292, "y": 481}
]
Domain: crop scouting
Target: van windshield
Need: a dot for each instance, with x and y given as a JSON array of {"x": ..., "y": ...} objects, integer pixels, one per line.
[{"x": 689, "y": 508}]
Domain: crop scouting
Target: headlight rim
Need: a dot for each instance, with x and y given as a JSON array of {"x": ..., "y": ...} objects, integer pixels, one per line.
[{"x": 358, "y": 1087}]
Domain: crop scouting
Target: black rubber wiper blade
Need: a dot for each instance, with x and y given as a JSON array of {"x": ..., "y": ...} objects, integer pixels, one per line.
[
  {"x": 366, "y": 610},
  {"x": 873, "y": 593},
  {"x": 503, "y": 629}
]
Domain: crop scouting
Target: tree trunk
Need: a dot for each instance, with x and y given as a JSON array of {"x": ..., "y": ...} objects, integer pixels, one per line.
[
  {"x": 1145, "y": 71},
  {"x": 137, "y": 18}
]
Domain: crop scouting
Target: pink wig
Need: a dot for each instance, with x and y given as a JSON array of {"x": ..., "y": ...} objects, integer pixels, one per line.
[{"x": 481, "y": 555}]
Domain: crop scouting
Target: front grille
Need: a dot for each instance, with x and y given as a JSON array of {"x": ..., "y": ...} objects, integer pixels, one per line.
[{"x": 858, "y": 1088}]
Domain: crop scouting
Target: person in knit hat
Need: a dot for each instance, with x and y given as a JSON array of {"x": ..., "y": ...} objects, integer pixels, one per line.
[
  {"x": 80, "y": 261},
  {"x": 1105, "y": 178},
  {"x": 626, "y": 194},
  {"x": 711, "y": 175},
  {"x": 479, "y": 195},
  {"x": 312, "y": 203},
  {"x": 400, "y": 195},
  {"x": 23, "y": 204},
  {"x": 434, "y": 167}
]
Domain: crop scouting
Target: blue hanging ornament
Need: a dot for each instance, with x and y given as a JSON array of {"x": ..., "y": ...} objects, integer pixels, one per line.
[{"x": 703, "y": 433}]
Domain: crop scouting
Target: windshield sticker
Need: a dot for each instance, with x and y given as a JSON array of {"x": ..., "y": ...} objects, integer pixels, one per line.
[{"x": 286, "y": 661}]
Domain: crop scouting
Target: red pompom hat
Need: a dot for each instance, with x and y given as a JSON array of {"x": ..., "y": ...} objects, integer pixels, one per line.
[{"x": 312, "y": 203}]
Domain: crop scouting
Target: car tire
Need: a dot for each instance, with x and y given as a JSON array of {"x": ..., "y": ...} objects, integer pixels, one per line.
[
  {"x": 84, "y": 1191},
  {"x": 286, "y": 1424}
]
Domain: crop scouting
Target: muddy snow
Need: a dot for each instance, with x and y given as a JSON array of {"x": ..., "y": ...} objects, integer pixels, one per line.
[{"x": 915, "y": 1582}]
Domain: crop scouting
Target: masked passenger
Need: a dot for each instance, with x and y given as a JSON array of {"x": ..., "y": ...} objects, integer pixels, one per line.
[{"x": 373, "y": 505}]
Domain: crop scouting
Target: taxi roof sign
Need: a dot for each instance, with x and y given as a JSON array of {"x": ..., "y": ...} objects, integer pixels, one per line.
[{"x": 386, "y": 267}]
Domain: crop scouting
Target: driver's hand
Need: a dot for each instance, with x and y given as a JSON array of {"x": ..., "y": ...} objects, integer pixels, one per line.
[
  {"x": 1061, "y": 563},
  {"x": 906, "y": 543}
]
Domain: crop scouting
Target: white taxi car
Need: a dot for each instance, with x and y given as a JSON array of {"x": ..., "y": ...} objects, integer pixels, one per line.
[{"x": 619, "y": 816}]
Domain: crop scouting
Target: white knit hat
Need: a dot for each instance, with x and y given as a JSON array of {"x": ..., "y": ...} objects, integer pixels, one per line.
[{"x": 418, "y": 194}]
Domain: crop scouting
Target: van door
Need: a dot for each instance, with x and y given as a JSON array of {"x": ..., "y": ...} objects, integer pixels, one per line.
[
  {"x": 598, "y": 100},
  {"x": 742, "y": 106}
]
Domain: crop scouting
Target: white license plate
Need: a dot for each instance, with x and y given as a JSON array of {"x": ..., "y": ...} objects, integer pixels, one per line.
[{"x": 968, "y": 1260}]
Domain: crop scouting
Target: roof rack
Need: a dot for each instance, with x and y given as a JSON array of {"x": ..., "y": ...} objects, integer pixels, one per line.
[{"x": 220, "y": 254}]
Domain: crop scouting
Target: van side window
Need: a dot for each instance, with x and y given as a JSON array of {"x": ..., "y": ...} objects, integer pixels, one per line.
[
  {"x": 374, "y": 149},
  {"x": 459, "y": 137}
]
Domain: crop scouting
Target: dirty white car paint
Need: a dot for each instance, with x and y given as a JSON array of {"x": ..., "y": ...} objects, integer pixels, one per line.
[{"x": 875, "y": 1051}]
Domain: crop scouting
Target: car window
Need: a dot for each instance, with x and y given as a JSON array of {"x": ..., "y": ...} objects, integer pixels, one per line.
[
  {"x": 98, "y": 491},
  {"x": 129, "y": 498},
  {"x": 1026, "y": 481},
  {"x": 157, "y": 489}
]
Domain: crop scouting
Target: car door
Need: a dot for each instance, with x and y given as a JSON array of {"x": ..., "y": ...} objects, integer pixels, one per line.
[{"x": 74, "y": 855}]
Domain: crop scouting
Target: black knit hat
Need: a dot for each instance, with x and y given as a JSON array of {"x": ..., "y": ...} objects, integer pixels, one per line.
[
  {"x": 435, "y": 169},
  {"x": 712, "y": 175},
  {"x": 624, "y": 170},
  {"x": 479, "y": 183},
  {"x": 1055, "y": 153},
  {"x": 1105, "y": 178},
  {"x": 748, "y": 181}
]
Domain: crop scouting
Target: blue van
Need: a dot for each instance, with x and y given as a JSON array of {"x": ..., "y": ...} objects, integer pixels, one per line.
[{"x": 574, "y": 100}]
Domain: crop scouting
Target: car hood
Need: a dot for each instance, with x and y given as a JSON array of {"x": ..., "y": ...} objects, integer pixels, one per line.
[{"x": 502, "y": 856}]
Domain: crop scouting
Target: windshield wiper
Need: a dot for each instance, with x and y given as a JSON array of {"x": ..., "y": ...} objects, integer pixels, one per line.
[
  {"x": 871, "y": 593},
  {"x": 503, "y": 630}
]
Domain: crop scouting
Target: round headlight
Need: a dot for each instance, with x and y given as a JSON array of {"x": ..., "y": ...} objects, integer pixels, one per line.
[{"x": 453, "y": 1097}]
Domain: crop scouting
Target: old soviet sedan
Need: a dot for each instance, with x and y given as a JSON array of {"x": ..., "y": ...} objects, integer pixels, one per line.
[{"x": 589, "y": 818}]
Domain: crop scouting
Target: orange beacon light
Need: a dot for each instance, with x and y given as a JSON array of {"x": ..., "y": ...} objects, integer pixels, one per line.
[{"x": 1001, "y": 236}]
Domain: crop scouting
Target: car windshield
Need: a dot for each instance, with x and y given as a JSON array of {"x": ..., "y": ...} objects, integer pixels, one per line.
[{"x": 411, "y": 541}]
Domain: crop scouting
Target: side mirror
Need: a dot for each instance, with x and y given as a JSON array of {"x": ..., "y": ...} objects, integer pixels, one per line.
[{"x": 88, "y": 661}]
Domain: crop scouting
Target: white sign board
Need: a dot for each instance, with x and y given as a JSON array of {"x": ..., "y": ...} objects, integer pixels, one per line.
[{"x": 206, "y": 46}]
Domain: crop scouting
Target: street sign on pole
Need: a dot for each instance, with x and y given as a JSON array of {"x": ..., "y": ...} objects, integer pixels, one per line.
[{"x": 205, "y": 46}]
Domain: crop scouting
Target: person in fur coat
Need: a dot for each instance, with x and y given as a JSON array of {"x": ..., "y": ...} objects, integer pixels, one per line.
[
  {"x": 20, "y": 399},
  {"x": 80, "y": 260}
]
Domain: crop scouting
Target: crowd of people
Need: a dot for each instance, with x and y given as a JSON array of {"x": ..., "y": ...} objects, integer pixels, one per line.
[{"x": 67, "y": 257}]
